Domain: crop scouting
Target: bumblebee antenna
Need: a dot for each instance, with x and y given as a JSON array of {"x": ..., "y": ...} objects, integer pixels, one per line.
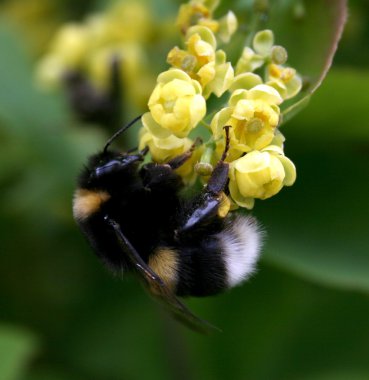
[
  {"x": 119, "y": 132},
  {"x": 224, "y": 155}
]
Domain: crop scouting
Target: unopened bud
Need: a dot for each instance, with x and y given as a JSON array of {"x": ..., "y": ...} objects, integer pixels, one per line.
[
  {"x": 203, "y": 168},
  {"x": 279, "y": 55}
]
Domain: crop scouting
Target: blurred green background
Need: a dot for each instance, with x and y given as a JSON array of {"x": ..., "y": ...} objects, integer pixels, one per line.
[{"x": 304, "y": 315}]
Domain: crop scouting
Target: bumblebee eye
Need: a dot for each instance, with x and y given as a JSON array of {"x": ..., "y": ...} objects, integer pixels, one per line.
[{"x": 118, "y": 164}]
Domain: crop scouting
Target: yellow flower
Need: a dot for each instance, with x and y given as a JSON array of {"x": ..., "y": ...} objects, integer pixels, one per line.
[
  {"x": 199, "y": 57},
  {"x": 197, "y": 12},
  {"x": 222, "y": 77},
  {"x": 253, "y": 116},
  {"x": 176, "y": 105},
  {"x": 126, "y": 21},
  {"x": 68, "y": 52},
  {"x": 202, "y": 62},
  {"x": 284, "y": 79},
  {"x": 201, "y": 44},
  {"x": 249, "y": 61},
  {"x": 227, "y": 26},
  {"x": 252, "y": 59},
  {"x": 260, "y": 174},
  {"x": 71, "y": 44}
]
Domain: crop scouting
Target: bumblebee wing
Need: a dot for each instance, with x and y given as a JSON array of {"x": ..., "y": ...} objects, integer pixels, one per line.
[{"x": 157, "y": 286}]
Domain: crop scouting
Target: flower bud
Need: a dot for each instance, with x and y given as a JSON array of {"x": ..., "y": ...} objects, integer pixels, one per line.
[
  {"x": 204, "y": 169},
  {"x": 279, "y": 55}
]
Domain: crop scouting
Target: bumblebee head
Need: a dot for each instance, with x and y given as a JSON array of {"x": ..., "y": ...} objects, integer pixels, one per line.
[{"x": 109, "y": 169}]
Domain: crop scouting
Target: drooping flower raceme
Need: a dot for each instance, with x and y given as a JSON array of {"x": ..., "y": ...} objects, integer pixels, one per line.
[
  {"x": 89, "y": 47},
  {"x": 258, "y": 167}
]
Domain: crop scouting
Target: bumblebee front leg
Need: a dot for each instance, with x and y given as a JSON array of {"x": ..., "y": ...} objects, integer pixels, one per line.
[
  {"x": 162, "y": 177},
  {"x": 206, "y": 207}
]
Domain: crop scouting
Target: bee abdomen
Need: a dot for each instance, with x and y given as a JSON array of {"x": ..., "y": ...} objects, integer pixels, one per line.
[
  {"x": 240, "y": 243},
  {"x": 220, "y": 261},
  {"x": 165, "y": 263},
  {"x": 202, "y": 270}
]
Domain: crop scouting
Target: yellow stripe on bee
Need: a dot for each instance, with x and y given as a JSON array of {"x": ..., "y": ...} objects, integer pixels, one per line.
[
  {"x": 164, "y": 263},
  {"x": 87, "y": 202}
]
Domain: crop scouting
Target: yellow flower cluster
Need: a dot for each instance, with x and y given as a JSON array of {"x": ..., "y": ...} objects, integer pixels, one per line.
[
  {"x": 178, "y": 102},
  {"x": 258, "y": 167},
  {"x": 91, "y": 47}
]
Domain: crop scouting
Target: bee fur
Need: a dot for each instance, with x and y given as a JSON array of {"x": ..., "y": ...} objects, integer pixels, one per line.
[
  {"x": 209, "y": 257},
  {"x": 135, "y": 218}
]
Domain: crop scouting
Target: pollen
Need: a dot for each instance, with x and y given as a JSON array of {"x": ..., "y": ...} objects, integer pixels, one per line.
[{"x": 225, "y": 205}]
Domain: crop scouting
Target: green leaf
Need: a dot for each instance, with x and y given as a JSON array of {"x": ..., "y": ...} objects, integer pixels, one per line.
[
  {"x": 20, "y": 103},
  {"x": 339, "y": 375},
  {"x": 318, "y": 229},
  {"x": 339, "y": 118},
  {"x": 279, "y": 327},
  {"x": 17, "y": 347}
]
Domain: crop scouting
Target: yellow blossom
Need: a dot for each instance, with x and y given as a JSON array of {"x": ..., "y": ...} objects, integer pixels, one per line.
[
  {"x": 202, "y": 62},
  {"x": 253, "y": 116},
  {"x": 71, "y": 44},
  {"x": 284, "y": 79},
  {"x": 227, "y": 26},
  {"x": 197, "y": 12},
  {"x": 127, "y": 21},
  {"x": 199, "y": 55},
  {"x": 255, "y": 57},
  {"x": 249, "y": 61},
  {"x": 176, "y": 105},
  {"x": 68, "y": 51},
  {"x": 222, "y": 77},
  {"x": 89, "y": 48},
  {"x": 260, "y": 174}
]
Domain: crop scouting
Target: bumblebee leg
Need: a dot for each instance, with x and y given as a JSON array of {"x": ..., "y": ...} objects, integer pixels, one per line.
[
  {"x": 132, "y": 254},
  {"x": 178, "y": 161},
  {"x": 157, "y": 285},
  {"x": 206, "y": 206}
]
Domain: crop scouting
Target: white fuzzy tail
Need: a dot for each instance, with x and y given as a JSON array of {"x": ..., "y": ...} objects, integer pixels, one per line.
[{"x": 241, "y": 244}]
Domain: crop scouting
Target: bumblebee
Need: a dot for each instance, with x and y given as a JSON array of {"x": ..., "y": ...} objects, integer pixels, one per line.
[{"x": 137, "y": 220}]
